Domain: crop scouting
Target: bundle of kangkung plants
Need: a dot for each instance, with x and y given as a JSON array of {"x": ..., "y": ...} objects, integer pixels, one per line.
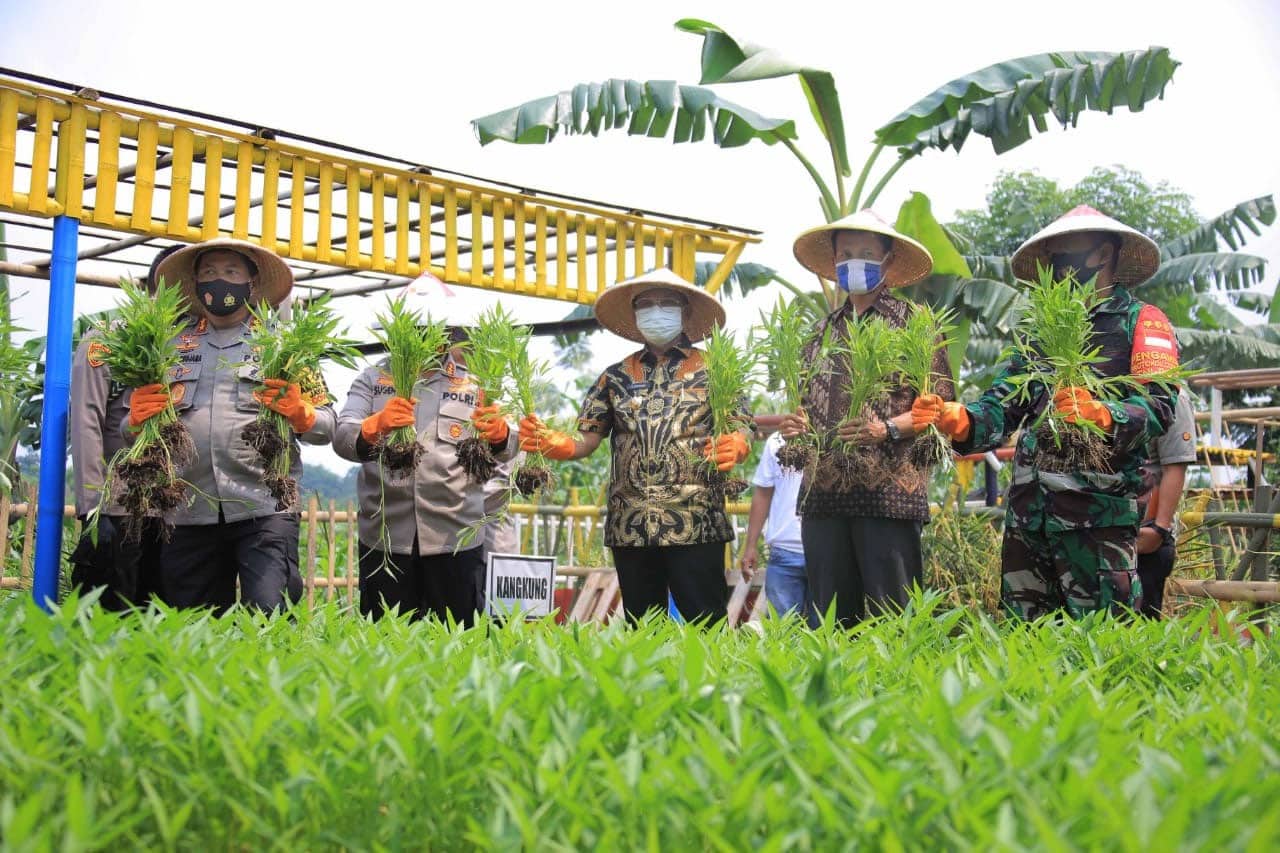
[
  {"x": 1054, "y": 348},
  {"x": 534, "y": 475},
  {"x": 784, "y": 336},
  {"x": 732, "y": 376},
  {"x": 415, "y": 346},
  {"x": 139, "y": 348},
  {"x": 292, "y": 351},
  {"x": 492, "y": 343},
  {"x": 871, "y": 357},
  {"x": 926, "y": 331}
]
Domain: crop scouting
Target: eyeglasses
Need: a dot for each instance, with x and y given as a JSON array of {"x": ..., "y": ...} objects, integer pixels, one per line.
[{"x": 658, "y": 302}]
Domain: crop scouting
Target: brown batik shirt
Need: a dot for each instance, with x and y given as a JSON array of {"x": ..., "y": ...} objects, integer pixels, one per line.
[
  {"x": 654, "y": 410},
  {"x": 900, "y": 490}
]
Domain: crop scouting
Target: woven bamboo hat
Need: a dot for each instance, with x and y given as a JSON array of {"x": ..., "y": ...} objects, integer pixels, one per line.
[
  {"x": 1139, "y": 255},
  {"x": 614, "y": 311},
  {"x": 908, "y": 260},
  {"x": 274, "y": 278}
]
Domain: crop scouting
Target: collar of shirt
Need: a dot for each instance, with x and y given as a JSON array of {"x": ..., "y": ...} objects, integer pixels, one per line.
[
  {"x": 1117, "y": 303},
  {"x": 886, "y": 305},
  {"x": 678, "y": 350}
]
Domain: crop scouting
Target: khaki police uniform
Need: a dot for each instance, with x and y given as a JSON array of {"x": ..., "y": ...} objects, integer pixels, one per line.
[
  {"x": 230, "y": 528},
  {"x": 124, "y": 567},
  {"x": 409, "y": 526}
]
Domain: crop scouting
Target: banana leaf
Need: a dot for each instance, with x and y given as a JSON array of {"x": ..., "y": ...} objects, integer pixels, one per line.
[
  {"x": 1003, "y": 101},
  {"x": 653, "y": 108},
  {"x": 727, "y": 60},
  {"x": 1229, "y": 227}
]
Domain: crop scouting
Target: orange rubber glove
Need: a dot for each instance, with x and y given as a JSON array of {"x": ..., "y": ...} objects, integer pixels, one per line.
[
  {"x": 147, "y": 402},
  {"x": 951, "y": 419},
  {"x": 489, "y": 424},
  {"x": 1078, "y": 404},
  {"x": 397, "y": 413},
  {"x": 536, "y": 437},
  {"x": 726, "y": 450},
  {"x": 286, "y": 398}
]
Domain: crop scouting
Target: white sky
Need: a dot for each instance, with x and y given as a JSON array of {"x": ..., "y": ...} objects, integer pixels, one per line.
[{"x": 405, "y": 78}]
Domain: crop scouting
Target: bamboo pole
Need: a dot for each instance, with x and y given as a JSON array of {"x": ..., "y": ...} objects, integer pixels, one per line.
[
  {"x": 4, "y": 530},
  {"x": 29, "y": 534},
  {"x": 353, "y": 565},
  {"x": 309, "y": 579},
  {"x": 333, "y": 554},
  {"x": 1263, "y": 592}
]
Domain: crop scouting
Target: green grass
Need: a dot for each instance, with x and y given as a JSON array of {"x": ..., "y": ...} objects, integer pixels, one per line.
[{"x": 936, "y": 729}]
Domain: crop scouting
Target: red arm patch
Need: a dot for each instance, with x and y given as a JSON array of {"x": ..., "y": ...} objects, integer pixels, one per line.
[{"x": 1155, "y": 347}]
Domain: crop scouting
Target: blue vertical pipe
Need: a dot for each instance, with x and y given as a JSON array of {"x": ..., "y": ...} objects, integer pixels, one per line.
[{"x": 53, "y": 421}]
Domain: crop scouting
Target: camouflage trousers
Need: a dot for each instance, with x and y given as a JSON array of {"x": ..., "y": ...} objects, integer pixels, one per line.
[{"x": 1071, "y": 571}]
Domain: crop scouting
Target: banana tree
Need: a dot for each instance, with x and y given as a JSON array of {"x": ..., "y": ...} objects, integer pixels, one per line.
[{"x": 1006, "y": 103}]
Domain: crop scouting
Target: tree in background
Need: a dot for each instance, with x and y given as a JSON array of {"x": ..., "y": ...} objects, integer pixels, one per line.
[{"x": 1021, "y": 203}]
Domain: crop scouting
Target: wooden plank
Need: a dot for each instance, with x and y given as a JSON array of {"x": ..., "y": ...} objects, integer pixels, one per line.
[
  {"x": 609, "y": 599},
  {"x": 737, "y": 599},
  {"x": 582, "y": 606}
]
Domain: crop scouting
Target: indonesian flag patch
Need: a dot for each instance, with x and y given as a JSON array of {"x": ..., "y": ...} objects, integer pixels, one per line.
[{"x": 1155, "y": 348}]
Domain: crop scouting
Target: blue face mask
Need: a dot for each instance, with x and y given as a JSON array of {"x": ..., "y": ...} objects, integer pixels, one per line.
[{"x": 858, "y": 276}]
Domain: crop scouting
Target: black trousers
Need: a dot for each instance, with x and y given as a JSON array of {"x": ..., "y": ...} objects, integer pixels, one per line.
[
  {"x": 693, "y": 574},
  {"x": 201, "y": 563},
  {"x": 863, "y": 565},
  {"x": 1153, "y": 570},
  {"x": 128, "y": 571},
  {"x": 441, "y": 585}
]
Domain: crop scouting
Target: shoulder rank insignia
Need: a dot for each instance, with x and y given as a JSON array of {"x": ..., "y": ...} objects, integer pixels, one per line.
[{"x": 97, "y": 349}]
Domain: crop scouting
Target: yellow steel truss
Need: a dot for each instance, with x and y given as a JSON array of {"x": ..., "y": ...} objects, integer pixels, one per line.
[{"x": 106, "y": 164}]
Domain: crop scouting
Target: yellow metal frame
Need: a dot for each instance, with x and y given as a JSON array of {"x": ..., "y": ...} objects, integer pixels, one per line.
[{"x": 366, "y": 216}]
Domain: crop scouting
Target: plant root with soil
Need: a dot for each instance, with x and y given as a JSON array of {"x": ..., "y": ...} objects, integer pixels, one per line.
[
  {"x": 151, "y": 487},
  {"x": 475, "y": 455},
  {"x": 1070, "y": 450}
]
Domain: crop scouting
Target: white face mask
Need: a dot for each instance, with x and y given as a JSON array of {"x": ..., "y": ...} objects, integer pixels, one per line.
[{"x": 660, "y": 325}]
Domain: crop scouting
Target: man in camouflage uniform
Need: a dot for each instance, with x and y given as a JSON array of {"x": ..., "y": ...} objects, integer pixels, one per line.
[{"x": 1069, "y": 541}]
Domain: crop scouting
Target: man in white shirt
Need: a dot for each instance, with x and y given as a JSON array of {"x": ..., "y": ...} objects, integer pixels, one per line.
[{"x": 773, "y": 509}]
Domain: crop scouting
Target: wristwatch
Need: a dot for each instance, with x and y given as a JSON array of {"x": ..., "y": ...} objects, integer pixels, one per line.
[
  {"x": 891, "y": 428},
  {"x": 1166, "y": 535}
]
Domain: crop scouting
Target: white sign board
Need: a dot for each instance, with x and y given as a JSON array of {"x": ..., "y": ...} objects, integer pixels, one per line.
[{"x": 520, "y": 583}]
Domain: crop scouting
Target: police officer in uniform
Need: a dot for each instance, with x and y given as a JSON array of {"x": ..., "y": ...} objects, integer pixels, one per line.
[
  {"x": 410, "y": 526},
  {"x": 231, "y": 528},
  {"x": 124, "y": 566}
]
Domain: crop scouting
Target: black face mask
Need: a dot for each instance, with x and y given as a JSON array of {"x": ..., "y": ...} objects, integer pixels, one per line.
[
  {"x": 1063, "y": 263},
  {"x": 221, "y": 297}
]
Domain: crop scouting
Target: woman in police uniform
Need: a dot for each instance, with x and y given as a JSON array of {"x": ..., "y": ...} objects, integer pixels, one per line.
[{"x": 410, "y": 526}]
